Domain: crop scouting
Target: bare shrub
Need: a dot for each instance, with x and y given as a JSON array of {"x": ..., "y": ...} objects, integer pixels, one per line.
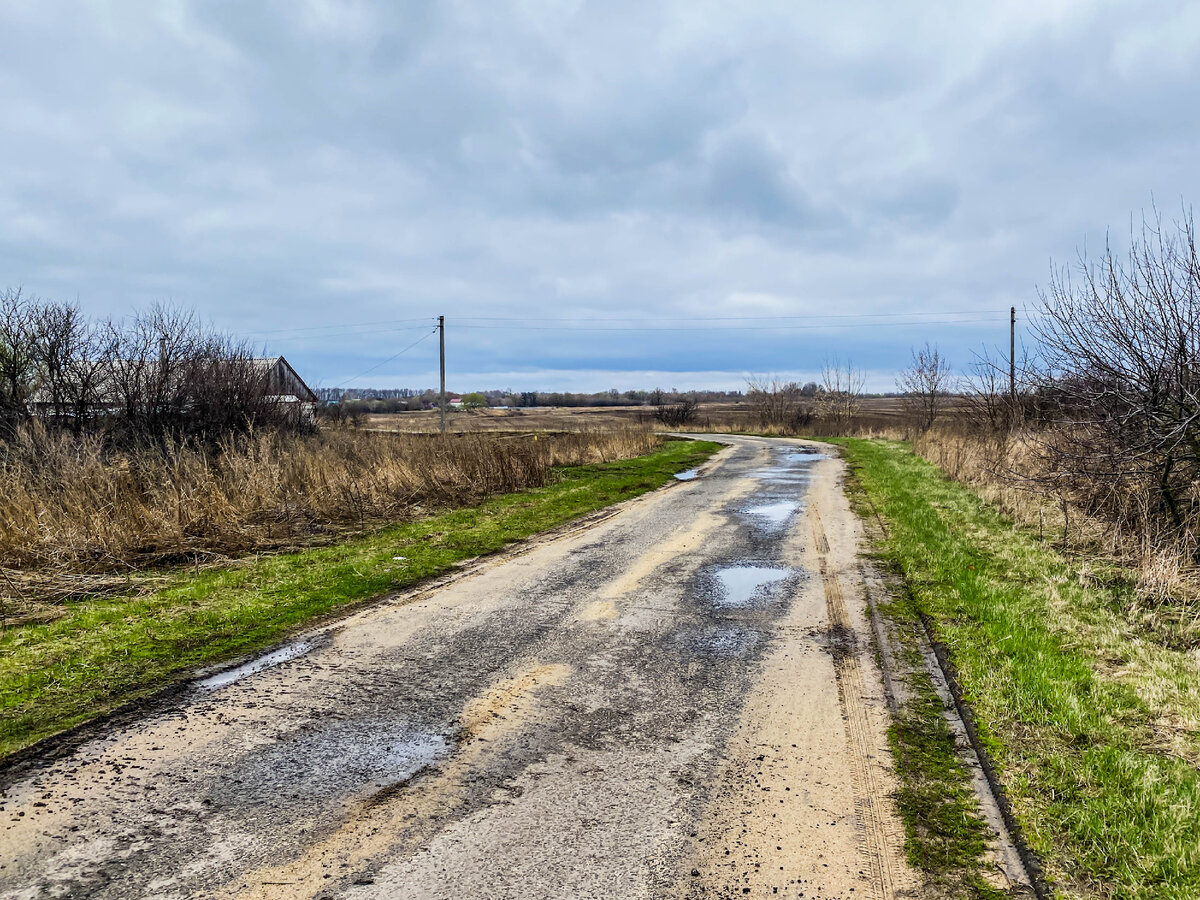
[
  {"x": 780, "y": 406},
  {"x": 18, "y": 359},
  {"x": 675, "y": 415},
  {"x": 840, "y": 395},
  {"x": 158, "y": 377},
  {"x": 1121, "y": 345},
  {"x": 926, "y": 385}
]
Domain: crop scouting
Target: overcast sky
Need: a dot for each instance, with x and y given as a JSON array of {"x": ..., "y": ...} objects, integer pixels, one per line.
[{"x": 325, "y": 177}]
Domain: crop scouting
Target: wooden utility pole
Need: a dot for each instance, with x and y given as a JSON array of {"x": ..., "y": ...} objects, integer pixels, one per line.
[
  {"x": 442, "y": 366},
  {"x": 1012, "y": 361}
]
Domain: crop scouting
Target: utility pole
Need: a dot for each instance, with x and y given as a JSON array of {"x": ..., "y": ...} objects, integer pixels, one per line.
[
  {"x": 1012, "y": 361},
  {"x": 442, "y": 355}
]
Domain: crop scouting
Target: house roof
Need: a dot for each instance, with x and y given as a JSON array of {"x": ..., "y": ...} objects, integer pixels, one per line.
[{"x": 285, "y": 378}]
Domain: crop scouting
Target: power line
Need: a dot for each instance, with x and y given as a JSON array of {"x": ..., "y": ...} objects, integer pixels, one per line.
[
  {"x": 634, "y": 321},
  {"x": 943, "y": 312},
  {"x": 336, "y": 325},
  {"x": 386, "y": 361},
  {"x": 587, "y": 329}
]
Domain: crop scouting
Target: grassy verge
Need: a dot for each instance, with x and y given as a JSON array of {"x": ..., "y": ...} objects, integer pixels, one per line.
[
  {"x": 1043, "y": 658},
  {"x": 110, "y": 651}
]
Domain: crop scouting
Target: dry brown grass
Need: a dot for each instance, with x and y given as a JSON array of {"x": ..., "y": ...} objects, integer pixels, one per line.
[
  {"x": 1163, "y": 590},
  {"x": 73, "y": 514}
]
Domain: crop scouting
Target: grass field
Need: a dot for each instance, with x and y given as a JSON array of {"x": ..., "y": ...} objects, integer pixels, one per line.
[
  {"x": 1091, "y": 723},
  {"x": 106, "y": 652}
]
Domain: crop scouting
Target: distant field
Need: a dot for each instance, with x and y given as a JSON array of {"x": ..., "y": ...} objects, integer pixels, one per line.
[
  {"x": 718, "y": 416},
  {"x": 538, "y": 418}
]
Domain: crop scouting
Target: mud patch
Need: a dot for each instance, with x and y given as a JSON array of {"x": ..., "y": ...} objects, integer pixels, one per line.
[{"x": 724, "y": 642}]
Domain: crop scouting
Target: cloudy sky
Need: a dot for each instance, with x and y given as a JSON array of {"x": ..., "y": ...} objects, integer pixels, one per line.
[{"x": 595, "y": 194}]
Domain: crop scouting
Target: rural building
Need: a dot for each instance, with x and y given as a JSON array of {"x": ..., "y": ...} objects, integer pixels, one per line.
[{"x": 287, "y": 388}]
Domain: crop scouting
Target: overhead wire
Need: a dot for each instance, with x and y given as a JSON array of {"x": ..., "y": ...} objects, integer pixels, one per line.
[{"x": 386, "y": 361}]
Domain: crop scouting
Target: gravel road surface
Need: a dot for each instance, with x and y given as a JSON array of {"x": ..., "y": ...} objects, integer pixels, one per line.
[{"x": 679, "y": 700}]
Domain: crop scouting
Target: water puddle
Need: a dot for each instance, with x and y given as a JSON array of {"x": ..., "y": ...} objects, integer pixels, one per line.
[
  {"x": 791, "y": 467},
  {"x": 686, "y": 476},
  {"x": 805, "y": 456},
  {"x": 340, "y": 758},
  {"x": 784, "y": 475},
  {"x": 776, "y": 514},
  {"x": 266, "y": 661},
  {"x": 740, "y": 585}
]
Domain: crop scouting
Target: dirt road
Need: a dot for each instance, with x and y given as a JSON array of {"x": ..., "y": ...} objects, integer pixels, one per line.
[{"x": 680, "y": 701}]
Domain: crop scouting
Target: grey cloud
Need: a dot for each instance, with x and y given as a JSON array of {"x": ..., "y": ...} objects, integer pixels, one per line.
[{"x": 367, "y": 160}]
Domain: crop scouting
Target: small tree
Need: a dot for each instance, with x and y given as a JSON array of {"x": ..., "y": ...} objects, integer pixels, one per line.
[
  {"x": 18, "y": 358},
  {"x": 779, "y": 404},
  {"x": 925, "y": 384},
  {"x": 839, "y": 396}
]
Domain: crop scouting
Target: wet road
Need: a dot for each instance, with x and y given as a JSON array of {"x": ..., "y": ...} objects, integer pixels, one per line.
[{"x": 678, "y": 701}]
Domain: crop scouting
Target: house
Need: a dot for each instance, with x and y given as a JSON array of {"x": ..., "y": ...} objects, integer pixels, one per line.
[
  {"x": 455, "y": 402},
  {"x": 285, "y": 387}
]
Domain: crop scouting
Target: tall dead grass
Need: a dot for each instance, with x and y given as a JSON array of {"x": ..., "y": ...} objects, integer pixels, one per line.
[
  {"x": 70, "y": 508},
  {"x": 1008, "y": 472}
]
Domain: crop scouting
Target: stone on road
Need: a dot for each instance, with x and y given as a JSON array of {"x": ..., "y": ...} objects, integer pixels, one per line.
[{"x": 678, "y": 701}]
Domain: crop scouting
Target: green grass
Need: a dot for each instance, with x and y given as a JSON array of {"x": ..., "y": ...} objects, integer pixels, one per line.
[
  {"x": 1109, "y": 813},
  {"x": 107, "y": 652}
]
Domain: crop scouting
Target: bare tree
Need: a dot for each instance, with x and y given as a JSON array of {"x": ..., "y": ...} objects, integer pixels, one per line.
[
  {"x": 780, "y": 404},
  {"x": 1121, "y": 346},
  {"x": 926, "y": 384},
  {"x": 839, "y": 397},
  {"x": 18, "y": 358},
  {"x": 988, "y": 398},
  {"x": 157, "y": 378}
]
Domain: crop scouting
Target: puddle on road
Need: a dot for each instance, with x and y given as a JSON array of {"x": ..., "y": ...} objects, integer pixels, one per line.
[
  {"x": 337, "y": 759},
  {"x": 776, "y": 514},
  {"x": 687, "y": 476},
  {"x": 266, "y": 661},
  {"x": 792, "y": 467},
  {"x": 741, "y": 585},
  {"x": 805, "y": 456}
]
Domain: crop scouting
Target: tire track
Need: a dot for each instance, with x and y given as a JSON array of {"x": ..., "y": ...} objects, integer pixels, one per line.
[{"x": 871, "y": 798}]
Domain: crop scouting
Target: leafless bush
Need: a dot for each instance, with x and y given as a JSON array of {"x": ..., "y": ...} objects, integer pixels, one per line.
[
  {"x": 926, "y": 385},
  {"x": 839, "y": 397},
  {"x": 159, "y": 377},
  {"x": 1121, "y": 343},
  {"x": 784, "y": 406},
  {"x": 675, "y": 415}
]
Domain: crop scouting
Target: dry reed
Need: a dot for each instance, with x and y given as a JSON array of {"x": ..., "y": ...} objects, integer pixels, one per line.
[{"x": 72, "y": 510}]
